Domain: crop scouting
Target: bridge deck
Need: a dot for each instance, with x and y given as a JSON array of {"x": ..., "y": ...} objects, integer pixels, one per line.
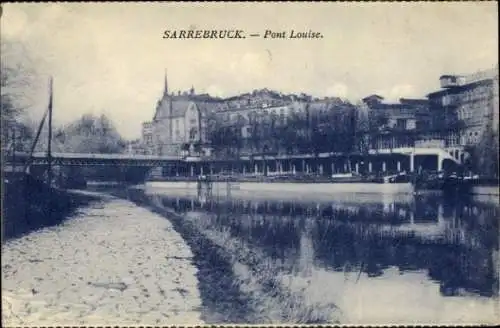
[{"x": 40, "y": 157}]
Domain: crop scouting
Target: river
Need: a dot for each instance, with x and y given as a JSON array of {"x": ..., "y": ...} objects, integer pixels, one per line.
[{"x": 319, "y": 258}]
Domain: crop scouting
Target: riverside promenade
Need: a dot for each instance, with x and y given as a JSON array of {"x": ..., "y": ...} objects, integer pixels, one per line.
[{"x": 111, "y": 263}]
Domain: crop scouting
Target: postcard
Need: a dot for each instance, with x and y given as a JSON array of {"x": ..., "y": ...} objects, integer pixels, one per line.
[{"x": 268, "y": 163}]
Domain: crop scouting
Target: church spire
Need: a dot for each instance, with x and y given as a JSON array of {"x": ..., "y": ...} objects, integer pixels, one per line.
[{"x": 165, "y": 91}]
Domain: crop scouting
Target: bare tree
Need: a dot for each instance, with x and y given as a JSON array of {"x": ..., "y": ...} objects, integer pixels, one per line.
[{"x": 17, "y": 77}]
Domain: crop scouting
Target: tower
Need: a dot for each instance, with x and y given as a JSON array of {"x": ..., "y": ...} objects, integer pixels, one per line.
[
  {"x": 165, "y": 88},
  {"x": 169, "y": 104}
]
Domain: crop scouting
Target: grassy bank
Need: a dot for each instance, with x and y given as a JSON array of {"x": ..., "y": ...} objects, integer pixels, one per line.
[
  {"x": 222, "y": 300},
  {"x": 238, "y": 283},
  {"x": 29, "y": 205}
]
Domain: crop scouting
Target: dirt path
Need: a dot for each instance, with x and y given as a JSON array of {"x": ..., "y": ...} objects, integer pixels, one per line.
[{"x": 112, "y": 264}]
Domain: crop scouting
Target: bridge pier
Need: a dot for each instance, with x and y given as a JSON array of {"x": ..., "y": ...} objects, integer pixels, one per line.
[{"x": 439, "y": 163}]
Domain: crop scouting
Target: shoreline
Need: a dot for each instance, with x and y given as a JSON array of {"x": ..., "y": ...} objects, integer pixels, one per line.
[
  {"x": 232, "y": 295},
  {"x": 222, "y": 300},
  {"x": 320, "y": 187}
]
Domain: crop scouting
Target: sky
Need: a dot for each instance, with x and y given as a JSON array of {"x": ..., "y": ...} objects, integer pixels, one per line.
[{"x": 110, "y": 58}]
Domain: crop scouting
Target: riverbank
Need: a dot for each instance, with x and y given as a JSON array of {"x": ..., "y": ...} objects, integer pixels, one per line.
[
  {"x": 238, "y": 284},
  {"x": 111, "y": 263},
  {"x": 29, "y": 204}
]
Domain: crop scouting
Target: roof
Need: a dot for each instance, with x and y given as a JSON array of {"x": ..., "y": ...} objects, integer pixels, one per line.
[
  {"x": 449, "y": 76},
  {"x": 374, "y": 97},
  {"x": 179, "y": 105},
  {"x": 414, "y": 101},
  {"x": 460, "y": 88}
]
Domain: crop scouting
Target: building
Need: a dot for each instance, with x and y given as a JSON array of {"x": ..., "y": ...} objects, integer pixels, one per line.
[
  {"x": 407, "y": 114},
  {"x": 406, "y": 135},
  {"x": 466, "y": 106},
  {"x": 395, "y": 124},
  {"x": 182, "y": 122},
  {"x": 135, "y": 147},
  {"x": 253, "y": 116},
  {"x": 179, "y": 123},
  {"x": 147, "y": 138}
]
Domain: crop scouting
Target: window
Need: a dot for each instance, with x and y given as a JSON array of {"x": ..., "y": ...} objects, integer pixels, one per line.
[{"x": 193, "y": 133}]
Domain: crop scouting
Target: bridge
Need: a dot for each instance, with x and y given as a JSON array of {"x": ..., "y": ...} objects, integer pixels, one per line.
[
  {"x": 376, "y": 161},
  {"x": 441, "y": 154},
  {"x": 82, "y": 159}
]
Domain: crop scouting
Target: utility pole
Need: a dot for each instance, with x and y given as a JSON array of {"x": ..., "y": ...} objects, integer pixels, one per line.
[
  {"x": 14, "y": 149},
  {"x": 49, "y": 146}
]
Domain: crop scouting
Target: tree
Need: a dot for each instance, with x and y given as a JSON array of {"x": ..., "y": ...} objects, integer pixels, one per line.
[
  {"x": 17, "y": 78},
  {"x": 256, "y": 133},
  {"x": 88, "y": 134},
  {"x": 224, "y": 138},
  {"x": 341, "y": 128},
  {"x": 483, "y": 157},
  {"x": 364, "y": 128},
  {"x": 287, "y": 135}
]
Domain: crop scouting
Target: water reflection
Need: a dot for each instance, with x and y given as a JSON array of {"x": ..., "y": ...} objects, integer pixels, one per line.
[
  {"x": 410, "y": 254},
  {"x": 453, "y": 242}
]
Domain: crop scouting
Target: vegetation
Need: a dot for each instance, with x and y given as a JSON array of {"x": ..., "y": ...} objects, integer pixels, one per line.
[
  {"x": 484, "y": 155},
  {"x": 16, "y": 79},
  {"x": 89, "y": 134},
  {"x": 331, "y": 128}
]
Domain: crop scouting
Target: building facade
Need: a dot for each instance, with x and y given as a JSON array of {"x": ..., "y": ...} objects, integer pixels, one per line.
[
  {"x": 395, "y": 124},
  {"x": 182, "y": 122},
  {"x": 179, "y": 123},
  {"x": 433, "y": 129},
  {"x": 466, "y": 106},
  {"x": 147, "y": 138},
  {"x": 406, "y": 115}
]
